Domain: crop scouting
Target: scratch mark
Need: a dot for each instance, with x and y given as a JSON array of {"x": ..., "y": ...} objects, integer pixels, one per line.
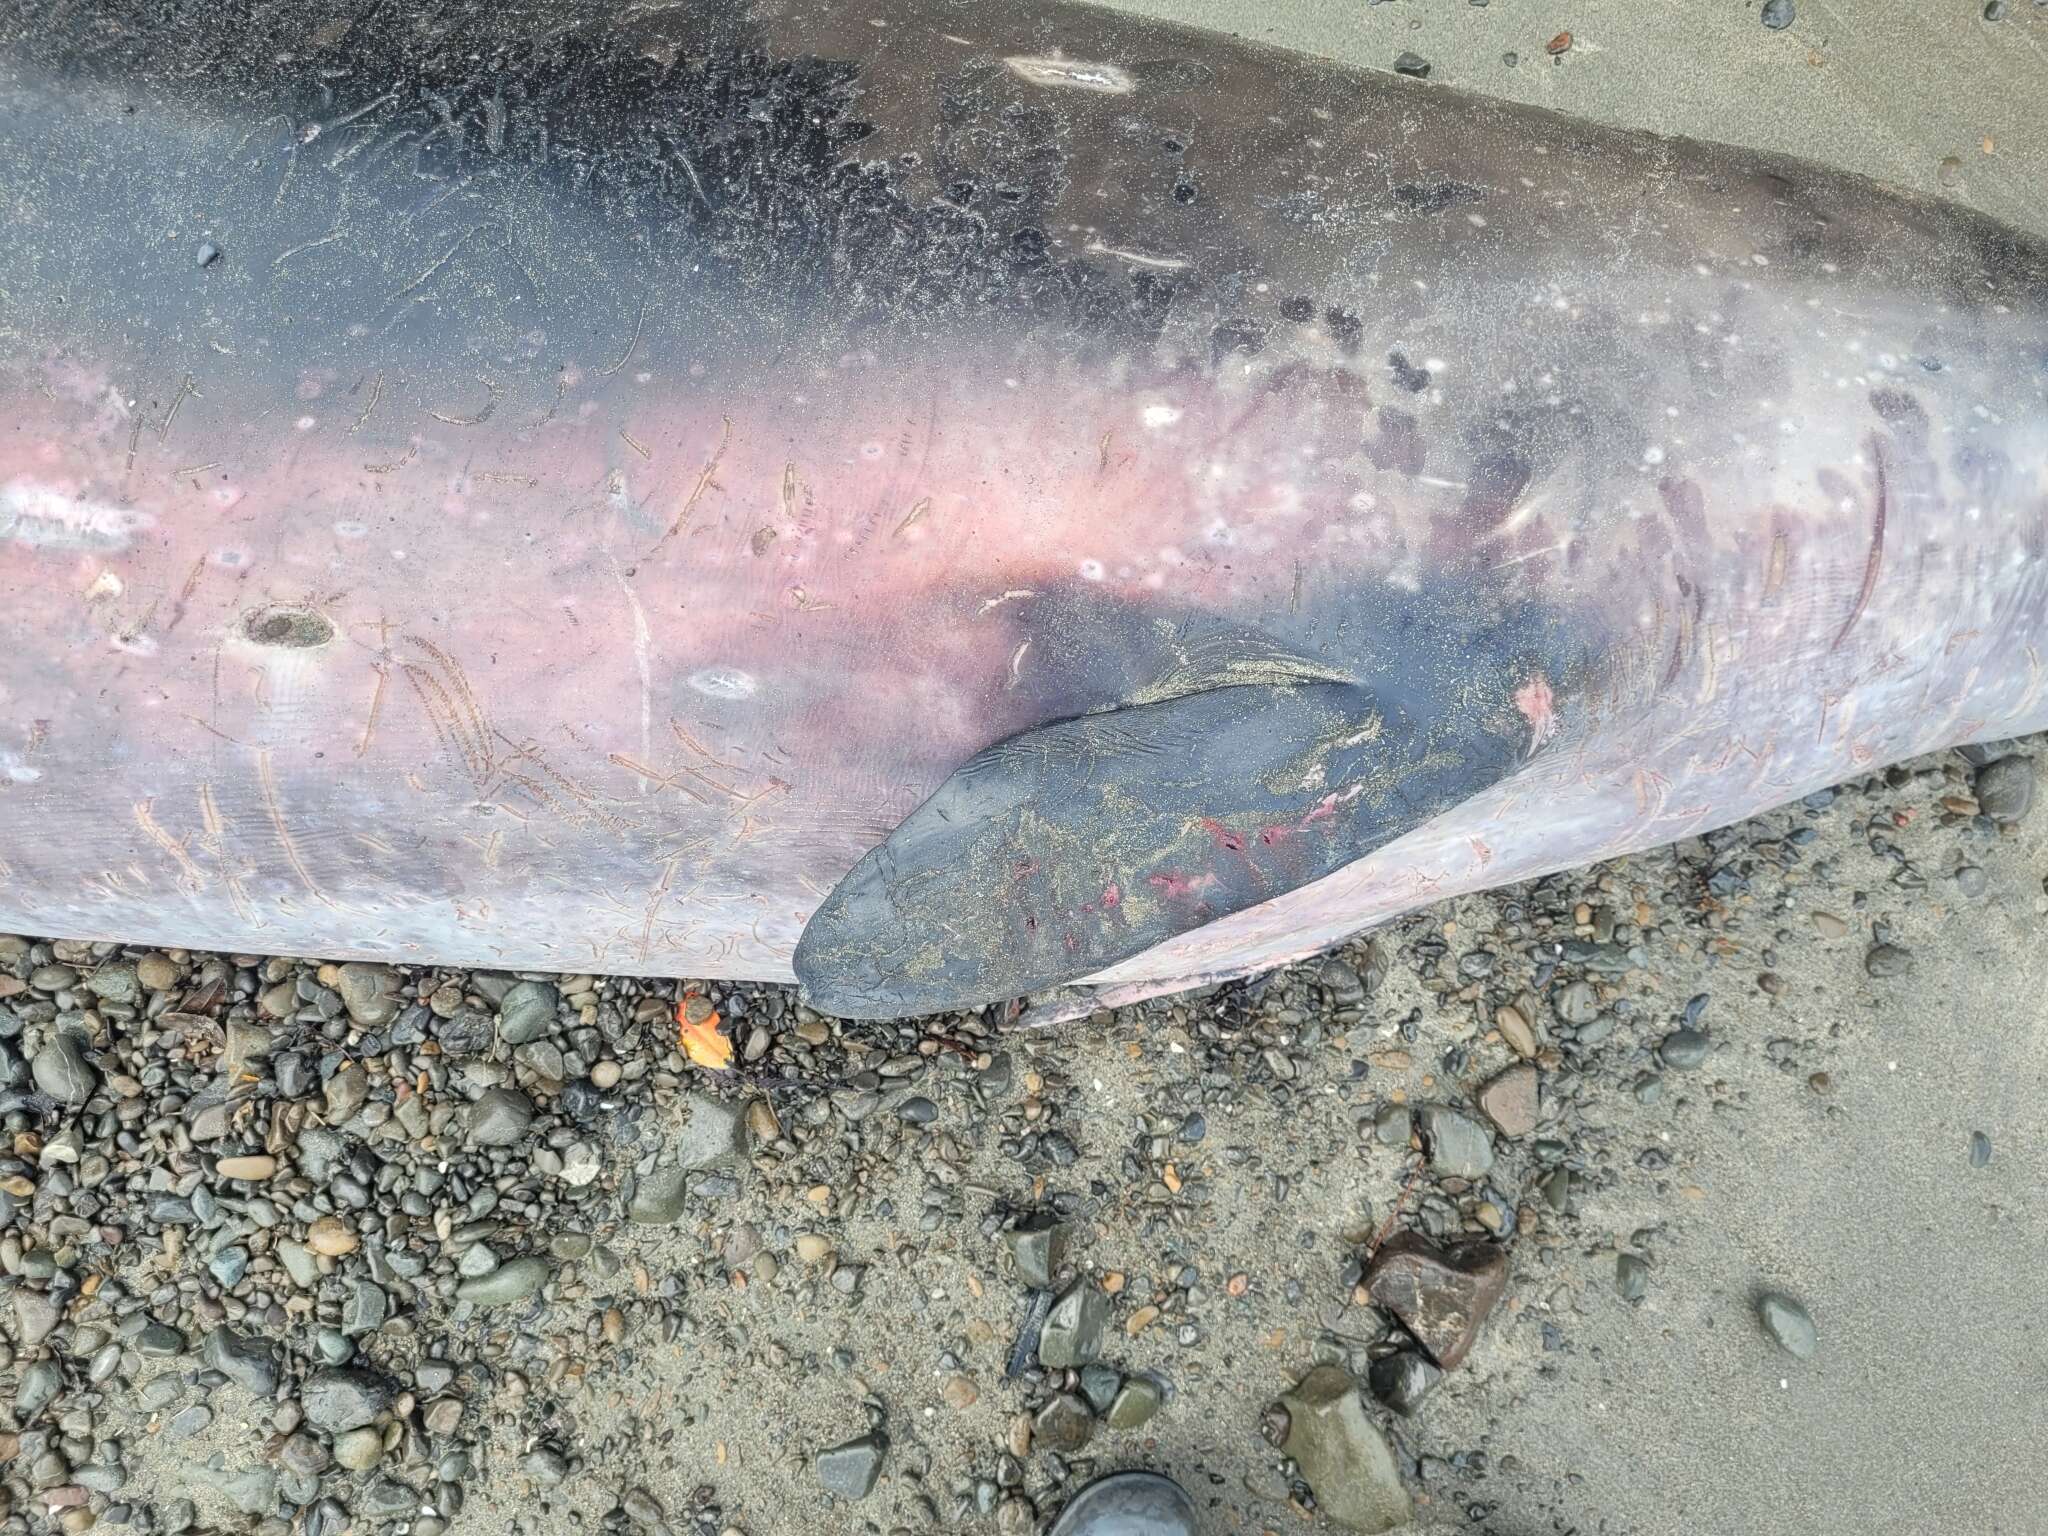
[
  {"x": 412, "y": 452},
  {"x": 917, "y": 510},
  {"x": 1774, "y": 572},
  {"x": 215, "y": 844},
  {"x": 193, "y": 469},
  {"x": 495, "y": 477},
  {"x": 268, "y": 777},
  {"x": 213, "y": 730},
  {"x": 1872, "y": 565},
  {"x": 1017, "y": 664},
  {"x": 1011, "y": 596},
  {"x": 185, "y": 390},
  {"x": 376, "y": 394},
  {"x": 376, "y": 704},
  {"x": 561, "y": 389},
  {"x": 703, "y": 484},
  {"x": 442, "y": 261},
  {"x": 643, "y": 646},
  {"x": 482, "y": 416},
  {"x": 635, "y": 444},
  {"x": 639, "y": 320},
  {"x": 329, "y": 238},
  {"x": 145, "y": 818}
]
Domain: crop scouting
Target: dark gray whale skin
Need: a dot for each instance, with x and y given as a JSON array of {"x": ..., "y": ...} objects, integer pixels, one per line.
[{"x": 951, "y": 502}]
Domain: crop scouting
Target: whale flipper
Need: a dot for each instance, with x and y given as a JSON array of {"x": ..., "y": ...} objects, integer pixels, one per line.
[{"x": 1072, "y": 846}]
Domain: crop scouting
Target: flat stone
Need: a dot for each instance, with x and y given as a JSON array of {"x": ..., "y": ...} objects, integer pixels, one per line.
[
  {"x": 514, "y": 1280},
  {"x": 370, "y": 993},
  {"x": 1038, "y": 1247},
  {"x": 1065, "y": 1424},
  {"x": 330, "y": 1236},
  {"x": 1099, "y": 1384},
  {"x": 702, "y": 1131},
  {"x": 247, "y": 1043},
  {"x": 1684, "y": 1049},
  {"x": 1136, "y": 1402},
  {"x": 851, "y": 1470},
  {"x": 528, "y": 1011},
  {"x": 1393, "y": 1125},
  {"x": 1510, "y": 1100},
  {"x": 61, "y": 1070},
  {"x": 248, "y": 1362},
  {"x": 35, "y": 1317},
  {"x": 253, "y": 1490},
  {"x": 336, "y": 1399},
  {"x": 1403, "y": 1380},
  {"x": 500, "y": 1117},
  {"x": 1072, "y": 1335},
  {"x": 116, "y": 981},
  {"x": 345, "y": 1091},
  {"x": 253, "y": 1168},
  {"x": 1788, "y": 1324},
  {"x": 364, "y": 1311},
  {"x": 659, "y": 1197},
  {"x": 1442, "y": 1296},
  {"x": 1631, "y": 1276},
  {"x": 1459, "y": 1147},
  {"x": 1342, "y": 1456}
]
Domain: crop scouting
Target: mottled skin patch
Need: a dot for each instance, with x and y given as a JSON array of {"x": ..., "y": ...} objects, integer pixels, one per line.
[{"x": 707, "y": 427}]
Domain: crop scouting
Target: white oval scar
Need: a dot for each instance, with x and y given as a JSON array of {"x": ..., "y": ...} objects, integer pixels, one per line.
[
  {"x": 1107, "y": 78},
  {"x": 723, "y": 683}
]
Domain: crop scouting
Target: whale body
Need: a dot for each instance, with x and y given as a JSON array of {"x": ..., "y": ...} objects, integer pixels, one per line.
[{"x": 947, "y": 502}]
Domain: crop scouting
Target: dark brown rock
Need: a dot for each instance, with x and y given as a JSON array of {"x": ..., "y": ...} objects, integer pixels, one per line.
[{"x": 1442, "y": 1296}]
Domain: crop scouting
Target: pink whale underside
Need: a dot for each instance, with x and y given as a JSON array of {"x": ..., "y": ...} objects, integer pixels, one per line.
[{"x": 625, "y": 675}]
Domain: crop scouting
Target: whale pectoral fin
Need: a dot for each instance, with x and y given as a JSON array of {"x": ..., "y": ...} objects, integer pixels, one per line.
[{"x": 1070, "y": 847}]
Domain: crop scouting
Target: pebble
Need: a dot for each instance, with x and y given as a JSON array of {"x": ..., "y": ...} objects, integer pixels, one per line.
[
  {"x": 1631, "y": 1276},
  {"x": 1065, "y": 1424},
  {"x": 1393, "y": 1125},
  {"x": 1137, "y": 1401},
  {"x": 1779, "y": 14},
  {"x": 851, "y": 1470},
  {"x": 1413, "y": 65},
  {"x": 335, "y": 1400},
  {"x": 514, "y": 1280},
  {"x": 701, "y": 1130},
  {"x": 61, "y": 1070},
  {"x": 2005, "y": 789},
  {"x": 1684, "y": 1049},
  {"x": 527, "y": 1012},
  {"x": 659, "y": 1197},
  {"x": 1458, "y": 1146},
  {"x": 251, "y": 1169},
  {"x": 331, "y": 1237},
  {"x": 1788, "y": 1324},
  {"x": 369, "y": 992},
  {"x": 1510, "y": 1100},
  {"x": 1038, "y": 1247},
  {"x": 1342, "y": 1457},
  {"x": 500, "y": 1117},
  {"x": 250, "y": 1363},
  {"x": 1980, "y": 1149},
  {"x": 1403, "y": 1379},
  {"x": 1887, "y": 960},
  {"x": 960, "y": 1393},
  {"x": 1072, "y": 1335},
  {"x": 358, "y": 1450}
]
